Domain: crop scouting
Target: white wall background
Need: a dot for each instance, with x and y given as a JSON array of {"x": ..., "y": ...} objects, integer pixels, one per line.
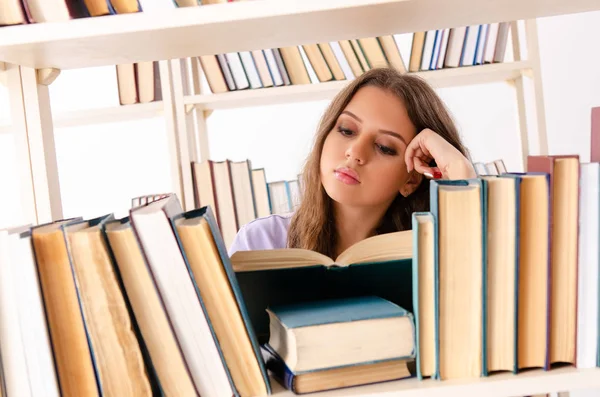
[{"x": 102, "y": 167}]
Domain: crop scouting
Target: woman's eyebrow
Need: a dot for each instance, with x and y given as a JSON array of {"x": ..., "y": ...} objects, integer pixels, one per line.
[
  {"x": 394, "y": 134},
  {"x": 386, "y": 132},
  {"x": 349, "y": 113}
]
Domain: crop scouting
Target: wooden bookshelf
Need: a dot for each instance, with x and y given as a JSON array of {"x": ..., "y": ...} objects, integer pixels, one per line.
[
  {"x": 497, "y": 385},
  {"x": 443, "y": 78},
  {"x": 250, "y": 25}
]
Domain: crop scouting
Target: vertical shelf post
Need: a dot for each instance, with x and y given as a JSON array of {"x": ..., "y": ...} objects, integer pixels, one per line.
[{"x": 34, "y": 138}]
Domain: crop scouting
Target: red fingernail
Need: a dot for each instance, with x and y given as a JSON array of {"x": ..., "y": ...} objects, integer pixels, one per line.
[{"x": 437, "y": 175}]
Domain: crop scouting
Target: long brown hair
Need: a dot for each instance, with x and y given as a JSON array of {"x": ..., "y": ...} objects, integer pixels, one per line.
[{"x": 312, "y": 226}]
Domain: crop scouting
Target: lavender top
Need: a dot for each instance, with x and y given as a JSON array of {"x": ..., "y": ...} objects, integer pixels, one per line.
[{"x": 269, "y": 232}]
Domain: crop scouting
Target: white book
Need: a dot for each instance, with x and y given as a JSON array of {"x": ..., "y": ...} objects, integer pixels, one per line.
[
  {"x": 436, "y": 49},
  {"x": 481, "y": 41},
  {"x": 157, "y": 5},
  {"x": 152, "y": 226},
  {"x": 502, "y": 41},
  {"x": 237, "y": 70},
  {"x": 470, "y": 46},
  {"x": 272, "y": 64},
  {"x": 281, "y": 67},
  {"x": 222, "y": 59},
  {"x": 490, "y": 43},
  {"x": 12, "y": 348},
  {"x": 587, "y": 292},
  {"x": 279, "y": 197},
  {"x": 339, "y": 55},
  {"x": 428, "y": 49},
  {"x": 455, "y": 46},
  {"x": 25, "y": 342},
  {"x": 443, "y": 46},
  {"x": 309, "y": 68},
  {"x": 49, "y": 11},
  {"x": 35, "y": 333},
  {"x": 250, "y": 68},
  {"x": 404, "y": 44}
]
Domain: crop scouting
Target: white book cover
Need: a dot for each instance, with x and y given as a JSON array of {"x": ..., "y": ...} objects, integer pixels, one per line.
[
  {"x": 12, "y": 349},
  {"x": 154, "y": 232},
  {"x": 443, "y": 47},
  {"x": 250, "y": 68},
  {"x": 502, "y": 41},
  {"x": 587, "y": 292},
  {"x": 32, "y": 316},
  {"x": 157, "y": 5},
  {"x": 339, "y": 55},
  {"x": 436, "y": 49},
  {"x": 404, "y": 44},
  {"x": 455, "y": 46},
  {"x": 272, "y": 64},
  {"x": 281, "y": 67},
  {"x": 222, "y": 59},
  {"x": 237, "y": 70},
  {"x": 309, "y": 68},
  {"x": 470, "y": 46},
  {"x": 428, "y": 49},
  {"x": 490, "y": 43},
  {"x": 481, "y": 41}
]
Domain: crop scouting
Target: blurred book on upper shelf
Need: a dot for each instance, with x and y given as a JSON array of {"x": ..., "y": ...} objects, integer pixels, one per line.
[{"x": 348, "y": 59}]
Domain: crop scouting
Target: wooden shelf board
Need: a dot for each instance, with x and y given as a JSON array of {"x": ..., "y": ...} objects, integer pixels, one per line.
[
  {"x": 256, "y": 24},
  {"x": 314, "y": 92},
  {"x": 497, "y": 385},
  {"x": 113, "y": 114}
]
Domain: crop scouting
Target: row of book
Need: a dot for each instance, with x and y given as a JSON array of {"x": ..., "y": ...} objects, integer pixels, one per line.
[
  {"x": 153, "y": 302},
  {"x": 507, "y": 271},
  {"x": 108, "y": 306},
  {"x": 19, "y": 12},
  {"x": 239, "y": 194},
  {"x": 315, "y": 63},
  {"x": 347, "y": 59}
]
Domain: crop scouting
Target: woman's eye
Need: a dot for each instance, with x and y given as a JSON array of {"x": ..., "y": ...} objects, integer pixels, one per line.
[
  {"x": 345, "y": 131},
  {"x": 386, "y": 150}
]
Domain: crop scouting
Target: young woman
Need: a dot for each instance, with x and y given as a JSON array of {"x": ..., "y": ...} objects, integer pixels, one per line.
[{"x": 376, "y": 145}]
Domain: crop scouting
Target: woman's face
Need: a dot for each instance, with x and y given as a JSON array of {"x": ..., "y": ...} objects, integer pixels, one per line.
[{"x": 362, "y": 162}]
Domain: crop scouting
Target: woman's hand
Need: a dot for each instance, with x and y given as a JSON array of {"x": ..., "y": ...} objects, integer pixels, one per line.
[{"x": 427, "y": 146}]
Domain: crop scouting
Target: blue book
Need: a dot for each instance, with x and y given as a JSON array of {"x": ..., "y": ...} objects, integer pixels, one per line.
[
  {"x": 336, "y": 333},
  {"x": 425, "y": 294}
]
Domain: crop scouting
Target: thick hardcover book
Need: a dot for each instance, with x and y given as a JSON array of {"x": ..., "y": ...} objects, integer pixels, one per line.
[
  {"x": 207, "y": 214},
  {"x": 475, "y": 223}
]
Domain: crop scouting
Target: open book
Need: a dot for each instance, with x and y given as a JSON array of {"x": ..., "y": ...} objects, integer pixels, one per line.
[{"x": 381, "y": 248}]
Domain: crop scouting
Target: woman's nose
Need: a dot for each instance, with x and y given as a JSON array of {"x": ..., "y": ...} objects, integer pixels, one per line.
[{"x": 357, "y": 150}]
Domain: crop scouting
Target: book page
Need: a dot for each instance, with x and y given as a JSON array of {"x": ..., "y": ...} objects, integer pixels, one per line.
[
  {"x": 385, "y": 247},
  {"x": 247, "y": 261}
]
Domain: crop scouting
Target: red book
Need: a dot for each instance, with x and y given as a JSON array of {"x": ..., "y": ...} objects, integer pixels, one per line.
[{"x": 564, "y": 234}]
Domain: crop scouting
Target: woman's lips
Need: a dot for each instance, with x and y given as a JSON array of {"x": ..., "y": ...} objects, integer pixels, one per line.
[{"x": 347, "y": 176}]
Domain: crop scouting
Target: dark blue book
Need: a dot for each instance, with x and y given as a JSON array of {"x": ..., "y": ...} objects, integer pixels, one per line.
[{"x": 336, "y": 378}]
